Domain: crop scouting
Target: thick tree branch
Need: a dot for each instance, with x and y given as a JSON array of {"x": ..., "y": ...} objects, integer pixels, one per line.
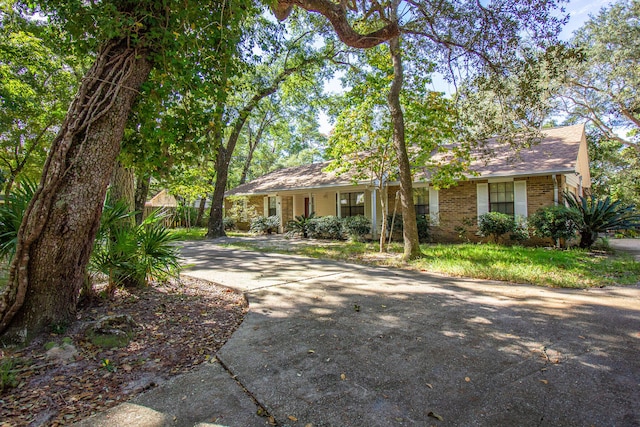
[{"x": 337, "y": 15}]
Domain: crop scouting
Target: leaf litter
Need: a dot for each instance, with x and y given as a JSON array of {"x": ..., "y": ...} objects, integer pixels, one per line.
[{"x": 181, "y": 324}]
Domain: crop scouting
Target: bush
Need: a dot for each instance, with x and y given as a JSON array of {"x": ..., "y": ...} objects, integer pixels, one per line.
[
  {"x": 228, "y": 223},
  {"x": 301, "y": 225},
  {"x": 132, "y": 255},
  {"x": 423, "y": 223},
  {"x": 555, "y": 222},
  {"x": 599, "y": 216},
  {"x": 265, "y": 224},
  {"x": 520, "y": 231},
  {"x": 356, "y": 227},
  {"x": 424, "y": 228},
  {"x": 326, "y": 227},
  {"x": 495, "y": 224}
]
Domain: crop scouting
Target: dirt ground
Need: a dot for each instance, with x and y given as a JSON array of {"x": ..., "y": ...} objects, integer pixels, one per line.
[{"x": 178, "y": 326}]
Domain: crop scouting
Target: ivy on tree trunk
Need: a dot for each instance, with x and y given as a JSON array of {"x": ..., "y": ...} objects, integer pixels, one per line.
[{"x": 58, "y": 228}]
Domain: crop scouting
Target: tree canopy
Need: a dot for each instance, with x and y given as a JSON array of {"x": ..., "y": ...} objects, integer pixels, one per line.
[{"x": 602, "y": 88}]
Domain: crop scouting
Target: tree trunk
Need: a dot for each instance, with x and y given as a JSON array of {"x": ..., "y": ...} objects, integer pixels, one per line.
[
  {"x": 122, "y": 187},
  {"x": 216, "y": 215},
  {"x": 223, "y": 155},
  {"x": 383, "y": 205},
  {"x": 59, "y": 226},
  {"x": 143, "y": 182},
  {"x": 409, "y": 223},
  {"x": 201, "y": 207}
]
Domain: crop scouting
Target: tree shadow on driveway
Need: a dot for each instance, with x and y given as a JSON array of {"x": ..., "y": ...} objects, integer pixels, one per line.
[{"x": 331, "y": 344}]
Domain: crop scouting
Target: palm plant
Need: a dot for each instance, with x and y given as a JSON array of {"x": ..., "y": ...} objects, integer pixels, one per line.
[
  {"x": 11, "y": 213},
  {"x": 301, "y": 225},
  {"x": 601, "y": 215},
  {"x": 132, "y": 255}
]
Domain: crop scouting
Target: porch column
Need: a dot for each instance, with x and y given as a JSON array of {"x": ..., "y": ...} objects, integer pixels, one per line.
[
  {"x": 279, "y": 213},
  {"x": 338, "y": 206},
  {"x": 295, "y": 201}
]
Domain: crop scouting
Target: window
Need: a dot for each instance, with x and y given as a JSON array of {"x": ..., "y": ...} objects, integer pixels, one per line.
[
  {"x": 421, "y": 200},
  {"x": 272, "y": 206},
  {"x": 501, "y": 197},
  {"x": 351, "y": 204}
]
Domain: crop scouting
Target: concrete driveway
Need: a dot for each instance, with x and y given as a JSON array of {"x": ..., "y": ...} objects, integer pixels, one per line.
[
  {"x": 631, "y": 246},
  {"x": 333, "y": 344}
]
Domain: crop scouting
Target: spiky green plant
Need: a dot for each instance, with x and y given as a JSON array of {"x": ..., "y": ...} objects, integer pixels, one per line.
[
  {"x": 300, "y": 225},
  {"x": 601, "y": 215},
  {"x": 11, "y": 213},
  {"x": 132, "y": 255}
]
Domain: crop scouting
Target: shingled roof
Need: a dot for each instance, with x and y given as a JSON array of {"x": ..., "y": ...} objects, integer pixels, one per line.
[
  {"x": 558, "y": 152},
  {"x": 299, "y": 177}
]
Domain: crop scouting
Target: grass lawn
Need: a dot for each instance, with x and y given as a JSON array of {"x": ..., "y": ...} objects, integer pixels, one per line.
[
  {"x": 193, "y": 233},
  {"x": 573, "y": 268}
]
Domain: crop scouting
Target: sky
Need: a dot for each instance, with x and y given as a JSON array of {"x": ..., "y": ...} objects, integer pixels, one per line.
[{"x": 578, "y": 10}]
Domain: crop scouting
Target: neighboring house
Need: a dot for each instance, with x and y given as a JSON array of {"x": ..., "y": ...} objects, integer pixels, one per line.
[
  {"x": 514, "y": 183},
  {"x": 162, "y": 201}
]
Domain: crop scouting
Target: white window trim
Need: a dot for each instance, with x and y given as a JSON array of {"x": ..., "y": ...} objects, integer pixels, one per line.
[
  {"x": 520, "y": 199},
  {"x": 434, "y": 206},
  {"x": 482, "y": 198}
]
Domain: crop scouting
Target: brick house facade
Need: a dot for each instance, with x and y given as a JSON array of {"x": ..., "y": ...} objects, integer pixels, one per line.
[{"x": 517, "y": 184}]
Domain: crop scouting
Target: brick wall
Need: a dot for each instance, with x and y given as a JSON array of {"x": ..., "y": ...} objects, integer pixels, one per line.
[
  {"x": 539, "y": 193},
  {"x": 458, "y": 208},
  {"x": 255, "y": 204}
]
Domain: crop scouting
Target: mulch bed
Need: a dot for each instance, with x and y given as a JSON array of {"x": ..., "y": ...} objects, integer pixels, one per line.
[{"x": 179, "y": 325}]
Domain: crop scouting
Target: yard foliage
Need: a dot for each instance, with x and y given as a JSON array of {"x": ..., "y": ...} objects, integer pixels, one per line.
[
  {"x": 495, "y": 225},
  {"x": 556, "y": 222},
  {"x": 601, "y": 215},
  {"x": 576, "y": 268}
]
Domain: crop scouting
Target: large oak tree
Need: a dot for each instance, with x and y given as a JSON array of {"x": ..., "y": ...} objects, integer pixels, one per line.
[{"x": 59, "y": 226}]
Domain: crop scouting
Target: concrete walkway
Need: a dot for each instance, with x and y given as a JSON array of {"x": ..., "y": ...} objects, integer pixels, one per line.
[{"x": 333, "y": 344}]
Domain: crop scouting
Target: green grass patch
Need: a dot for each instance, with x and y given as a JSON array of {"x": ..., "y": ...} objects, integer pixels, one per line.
[
  {"x": 193, "y": 233},
  {"x": 573, "y": 268}
]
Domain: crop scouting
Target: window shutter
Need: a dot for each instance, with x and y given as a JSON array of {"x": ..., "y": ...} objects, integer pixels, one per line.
[
  {"x": 434, "y": 206},
  {"x": 482, "y": 190},
  {"x": 520, "y": 198},
  {"x": 265, "y": 210}
]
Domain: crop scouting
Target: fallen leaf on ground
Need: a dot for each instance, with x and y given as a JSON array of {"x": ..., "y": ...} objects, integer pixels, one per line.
[
  {"x": 467, "y": 379},
  {"x": 343, "y": 377},
  {"x": 292, "y": 418},
  {"x": 436, "y": 416},
  {"x": 544, "y": 381}
]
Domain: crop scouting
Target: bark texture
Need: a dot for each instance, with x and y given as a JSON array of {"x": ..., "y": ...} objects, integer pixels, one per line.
[
  {"x": 59, "y": 226},
  {"x": 409, "y": 223},
  {"x": 122, "y": 187}
]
